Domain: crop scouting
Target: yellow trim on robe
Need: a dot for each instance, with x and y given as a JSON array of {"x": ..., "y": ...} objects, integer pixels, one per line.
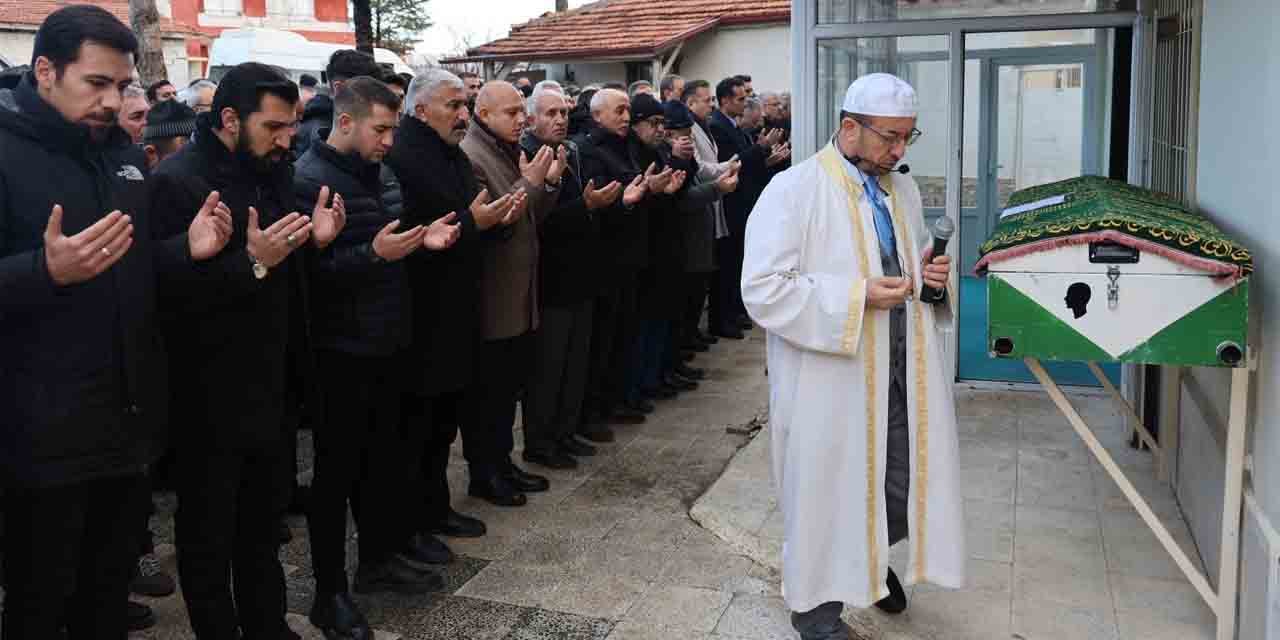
[
  {"x": 831, "y": 163},
  {"x": 857, "y": 306},
  {"x": 920, "y": 484}
]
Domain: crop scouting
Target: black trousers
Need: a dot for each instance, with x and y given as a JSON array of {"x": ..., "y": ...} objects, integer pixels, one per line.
[
  {"x": 428, "y": 427},
  {"x": 229, "y": 505},
  {"x": 69, "y": 554},
  {"x": 614, "y": 332},
  {"x": 897, "y": 472},
  {"x": 726, "y": 290},
  {"x": 489, "y": 411},
  {"x": 359, "y": 458},
  {"x": 552, "y": 406}
]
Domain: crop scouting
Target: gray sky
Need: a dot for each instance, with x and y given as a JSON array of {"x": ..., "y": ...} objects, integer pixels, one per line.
[{"x": 480, "y": 20}]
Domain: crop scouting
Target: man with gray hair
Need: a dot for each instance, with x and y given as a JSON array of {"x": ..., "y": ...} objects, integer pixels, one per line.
[
  {"x": 199, "y": 96},
  {"x": 437, "y": 179},
  {"x": 638, "y": 87},
  {"x": 133, "y": 112}
]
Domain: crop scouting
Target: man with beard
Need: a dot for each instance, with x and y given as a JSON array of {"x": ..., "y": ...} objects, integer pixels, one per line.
[
  {"x": 728, "y": 315},
  {"x": 775, "y": 116},
  {"x": 509, "y": 291},
  {"x": 231, "y": 355},
  {"x": 436, "y": 179},
  {"x": 570, "y": 253},
  {"x": 672, "y": 87},
  {"x": 607, "y": 157},
  {"x": 361, "y": 324},
  {"x": 344, "y": 65},
  {"x": 82, "y": 373}
]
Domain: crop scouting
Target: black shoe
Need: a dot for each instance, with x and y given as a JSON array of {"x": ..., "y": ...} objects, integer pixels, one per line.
[
  {"x": 425, "y": 551},
  {"x": 697, "y": 346},
  {"x": 675, "y": 381},
  {"x": 896, "y": 601},
  {"x": 526, "y": 482},
  {"x": 139, "y": 616},
  {"x": 284, "y": 534},
  {"x": 687, "y": 356},
  {"x": 641, "y": 406},
  {"x": 394, "y": 576},
  {"x": 745, "y": 323},
  {"x": 338, "y": 618},
  {"x": 149, "y": 580},
  {"x": 623, "y": 415},
  {"x": 456, "y": 525},
  {"x": 600, "y": 433},
  {"x": 555, "y": 459},
  {"x": 575, "y": 447},
  {"x": 732, "y": 333},
  {"x": 705, "y": 338},
  {"x": 497, "y": 490},
  {"x": 692, "y": 373}
]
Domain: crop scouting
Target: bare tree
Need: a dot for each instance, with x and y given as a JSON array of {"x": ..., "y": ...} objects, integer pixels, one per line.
[
  {"x": 362, "y": 11},
  {"x": 145, "y": 19}
]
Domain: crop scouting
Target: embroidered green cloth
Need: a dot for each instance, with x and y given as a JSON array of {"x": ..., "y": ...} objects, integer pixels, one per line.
[{"x": 1092, "y": 208}]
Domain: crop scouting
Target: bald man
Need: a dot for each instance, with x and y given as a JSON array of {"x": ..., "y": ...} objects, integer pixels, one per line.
[{"x": 509, "y": 311}]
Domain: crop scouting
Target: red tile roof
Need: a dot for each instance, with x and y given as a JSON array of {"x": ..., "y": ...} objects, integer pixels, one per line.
[
  {"x": 624, "y": 28},
  {"x": 33, "y": 12}
]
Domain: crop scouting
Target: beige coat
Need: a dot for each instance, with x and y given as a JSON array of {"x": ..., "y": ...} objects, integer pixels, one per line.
[{"x": 509, "y": 298}]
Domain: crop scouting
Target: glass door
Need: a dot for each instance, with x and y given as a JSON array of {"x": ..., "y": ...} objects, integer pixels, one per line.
[{"x": 1038, "y": 128}]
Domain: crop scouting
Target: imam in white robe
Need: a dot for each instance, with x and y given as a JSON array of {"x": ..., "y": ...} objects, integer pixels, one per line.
[{"x": 811, "y": 247}]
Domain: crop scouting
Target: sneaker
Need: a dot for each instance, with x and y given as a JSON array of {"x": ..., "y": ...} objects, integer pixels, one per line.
[{"x": 149, "y": 580}]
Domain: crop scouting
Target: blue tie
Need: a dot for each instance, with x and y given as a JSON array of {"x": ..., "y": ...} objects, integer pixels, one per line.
[{"x": 884, "y": 223}]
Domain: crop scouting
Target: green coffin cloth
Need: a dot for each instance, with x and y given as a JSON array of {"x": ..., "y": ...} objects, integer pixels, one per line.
[{"x": 1095, "y": 209}]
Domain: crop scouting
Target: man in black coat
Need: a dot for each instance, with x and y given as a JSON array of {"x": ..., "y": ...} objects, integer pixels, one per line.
[
  {"x": 82, "y": 368},
  {"x": 727, "y": 313},
  {"x": 607, "y": 157},
  {"x": 344, "y": 64},
  {"x": 231, "y": 354},
  {"x": 570, "y": 238},
  {"x": 361, "y": 324},
  {"x": 436, "y": 180}
]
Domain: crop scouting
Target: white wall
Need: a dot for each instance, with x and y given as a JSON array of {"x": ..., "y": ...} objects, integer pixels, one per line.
[
  {"x": 1236, "y": 186},
  {"x": 16, "y": 46},
  {"x": 764, "y": 53},
  {"x": 585, "y": 73}
]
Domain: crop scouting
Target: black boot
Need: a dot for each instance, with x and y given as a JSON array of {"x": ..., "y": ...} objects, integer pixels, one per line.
[
  {"x": 338, "y": 618},
  {"x": 896, "y": 601}
]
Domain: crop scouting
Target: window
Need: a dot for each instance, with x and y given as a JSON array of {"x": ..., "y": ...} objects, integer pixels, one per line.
[
  {"x": 223, "y": 7},
  {"x": 291, "y": 8},
  {"x": 849, "y": 11}
]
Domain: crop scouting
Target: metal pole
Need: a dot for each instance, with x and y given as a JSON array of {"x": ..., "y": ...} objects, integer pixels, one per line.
[{"x": 955, "y": 181}]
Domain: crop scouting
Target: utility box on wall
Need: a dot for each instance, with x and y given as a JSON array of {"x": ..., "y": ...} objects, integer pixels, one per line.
[{"x": 1091, "y": 269}]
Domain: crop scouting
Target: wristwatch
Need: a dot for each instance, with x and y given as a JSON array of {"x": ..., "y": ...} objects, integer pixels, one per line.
[
  {"x": 551, "y": 186},
  {"x": 259, "y": 269}
]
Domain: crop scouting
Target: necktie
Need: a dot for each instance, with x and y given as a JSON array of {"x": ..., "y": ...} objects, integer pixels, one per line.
[{"x": 884, "y": 223}]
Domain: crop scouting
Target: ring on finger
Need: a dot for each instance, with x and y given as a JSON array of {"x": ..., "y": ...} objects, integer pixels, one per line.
[
  {"x": 106, "y": 252},
  {"x": 289, "y": 239}
]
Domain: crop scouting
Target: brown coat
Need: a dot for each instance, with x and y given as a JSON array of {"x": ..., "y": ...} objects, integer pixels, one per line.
[{"x": 509, "y": 278}]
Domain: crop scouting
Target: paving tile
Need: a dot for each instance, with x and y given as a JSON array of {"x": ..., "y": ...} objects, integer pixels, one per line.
[
  {"x": 651, "y": 530},
  {"x": 402, "y": 614},
  {"x": 537, "y": 624},
  {"x": 513, "y": 584},
  {"x": 1147, "y": 625},
  {"x": 1040, "y": 620},
  {"x": 1174, "y": 600},
  {"x": 594, "y": 593},
  {"x": 682, "y": 609},
  {"x": 756, "y": 618},
  {"x": 1080, "y": 525},
  {"x": 989, "y": 530},
  {"x": 958, "y": 615},
  {"x": 760, "y": 581},
  {"x": 1068, "y": 582},
  {"x": 711, "y": 569},
  {"x": 462, "y": 619},
  {"x": 1050, "y": 484},
  {"x": 987, "y": 476},
  {"x": 1039, "y": 550},
  {"x": 982, "y": 577},
  {"x": 645, "y": 630}
]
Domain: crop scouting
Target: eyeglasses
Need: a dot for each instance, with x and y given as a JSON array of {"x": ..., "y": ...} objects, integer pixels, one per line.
[{"x": 895, "y": 139}]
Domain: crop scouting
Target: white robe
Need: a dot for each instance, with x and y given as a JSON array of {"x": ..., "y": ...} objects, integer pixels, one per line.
[{"x": 811, "y": 245}]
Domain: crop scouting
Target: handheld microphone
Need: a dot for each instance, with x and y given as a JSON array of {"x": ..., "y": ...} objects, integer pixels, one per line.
[
  {"x": 903, "y": 169},
  {"x": 943, "y": 228}
]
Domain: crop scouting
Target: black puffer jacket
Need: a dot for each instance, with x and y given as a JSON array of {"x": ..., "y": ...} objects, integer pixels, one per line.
[
  {"x": 83, "y": 389},
  {"x": 624, "y": 231},
  {"x": 359, "y": 303},
  {"x": 316, "y": 116},
  {"x": 435, "y": 179},
  {"x": 230, "y": 356}
]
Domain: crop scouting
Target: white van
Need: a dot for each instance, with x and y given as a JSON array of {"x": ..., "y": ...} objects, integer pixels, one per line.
[{"x": 286, "y": 50}]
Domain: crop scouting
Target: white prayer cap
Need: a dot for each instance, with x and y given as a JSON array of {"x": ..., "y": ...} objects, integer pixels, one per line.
[{"x": 883, "y": 95}]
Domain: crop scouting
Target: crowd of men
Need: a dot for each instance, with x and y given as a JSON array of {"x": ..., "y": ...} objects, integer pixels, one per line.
[{"x": 187, "y": 276}]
